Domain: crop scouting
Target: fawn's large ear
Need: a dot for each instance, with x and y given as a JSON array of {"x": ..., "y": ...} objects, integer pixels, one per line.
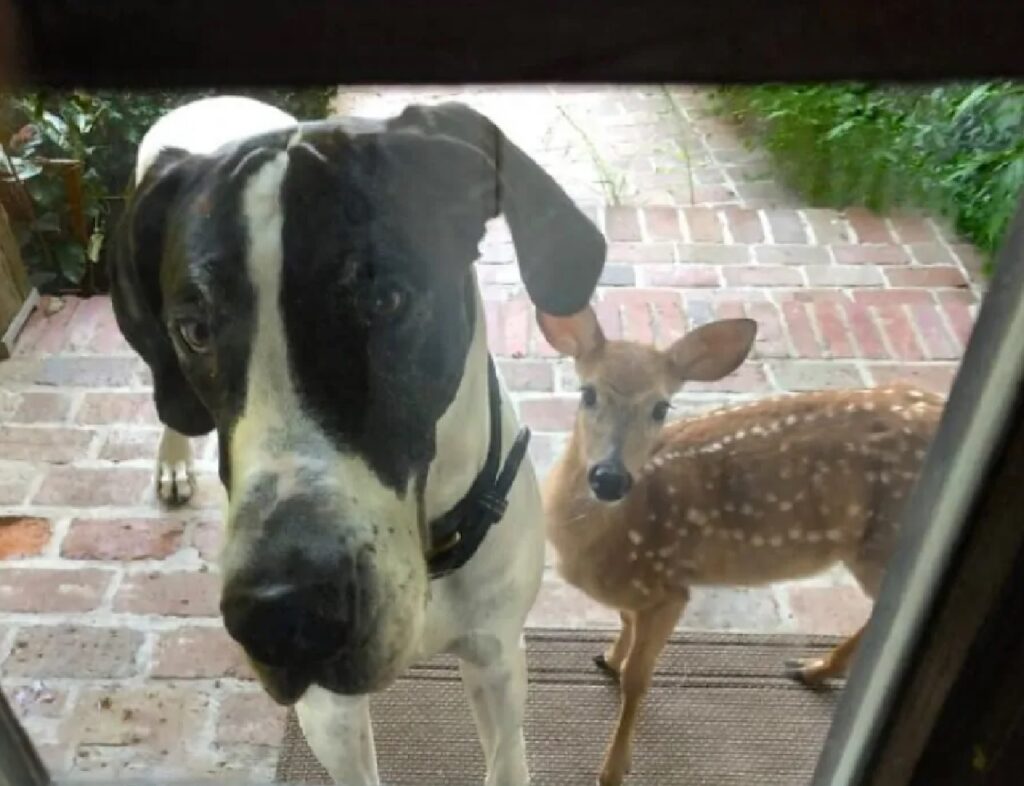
[
  {"x": 576, "y": 336},
  {"x": 134, "y": 259},
  {"x": 712, "y": 351},
  {"x": 560, "y": 251}
]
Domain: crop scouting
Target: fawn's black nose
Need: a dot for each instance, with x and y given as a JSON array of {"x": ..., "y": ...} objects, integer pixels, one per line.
[
  {"x": 290, "y": 624},
  {"x": 609, "y": 480}
]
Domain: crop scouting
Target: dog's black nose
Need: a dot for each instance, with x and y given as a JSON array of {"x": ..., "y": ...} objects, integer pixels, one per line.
[
  {"x": 290, "y": 625},
  {"x": 610, "y": 481}
]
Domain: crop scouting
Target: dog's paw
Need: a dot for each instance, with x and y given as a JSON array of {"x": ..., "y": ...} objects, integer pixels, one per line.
[{"x": 175, "y": 477}]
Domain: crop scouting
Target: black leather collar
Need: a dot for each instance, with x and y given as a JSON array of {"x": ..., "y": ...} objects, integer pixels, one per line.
[{"x": 456, "y": 535}]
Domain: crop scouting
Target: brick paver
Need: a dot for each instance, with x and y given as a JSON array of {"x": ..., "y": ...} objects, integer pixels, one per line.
[{"x": 110, "y": 645}]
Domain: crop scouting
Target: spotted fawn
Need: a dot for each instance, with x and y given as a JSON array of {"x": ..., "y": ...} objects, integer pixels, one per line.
[{"x": 639, "y": 511}]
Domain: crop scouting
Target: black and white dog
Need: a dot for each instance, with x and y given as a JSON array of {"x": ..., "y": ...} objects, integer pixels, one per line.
[{"x": 307, "y": 290}]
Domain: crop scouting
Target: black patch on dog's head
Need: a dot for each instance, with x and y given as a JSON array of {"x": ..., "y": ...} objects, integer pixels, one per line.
[
  {"x": 375, "y": 295},
  {"x": 381, "y": 225}
]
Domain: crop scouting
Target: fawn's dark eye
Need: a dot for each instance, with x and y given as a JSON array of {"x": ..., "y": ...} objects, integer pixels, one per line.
[
  {"x": 660, "y": 411},
  {"x": 196, "y": 334},
  {"x": 588, "y": 396}
]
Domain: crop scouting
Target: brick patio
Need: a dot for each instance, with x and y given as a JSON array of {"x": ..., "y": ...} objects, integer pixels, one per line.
[{"x": 110, "y": 646}]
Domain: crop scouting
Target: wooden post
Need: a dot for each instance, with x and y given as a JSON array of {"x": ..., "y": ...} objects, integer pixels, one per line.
[{"x": 17, "y": 298}]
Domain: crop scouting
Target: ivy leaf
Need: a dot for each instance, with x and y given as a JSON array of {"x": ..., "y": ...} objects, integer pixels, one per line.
[
  {"x": 95, "y": 246},
  {"x": 46, "y": 222},
  {"x": 71, "y": 259},
  {"x": 23, "y": 167},
  {"x": 23, "y": 235}
]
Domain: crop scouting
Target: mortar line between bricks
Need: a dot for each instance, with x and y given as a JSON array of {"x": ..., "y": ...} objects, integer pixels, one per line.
[
  {"x": 774, "y": 297},
  {"x": 769, "y": 374},
  {"x": 685, "y": 235},
  {"x": 229, "y": 684},
  {"x": 7, "y": 647},
  {"x": 641, "y": 221},
  {"x": 87, "y": 462},
  {"x": 79, "y": 355},
  {"x": 682, "y": 122},
  {"x": 697, "y": 398},
  {"x": 890, "y": 227},
  {"x": 849, "y": 332},
  {"x": 730, "y": 182},
  {"x": 867, "y": 379},
  {"x": 766, "y": 227},
  {"x": 77, "y": 401},
  {"x": 785, "y": 608},
  {"x": 106, "y": 603},
  {"x": 915, "y": 332},
  {"x": 204, "y": 741},
  {"x": 42, "y": 426},
  {"x": 109, "y": 619},
  {"x": 812, "y": 235},
  {"x": 72, "y": 693},
  {"x": 33, "y": 488},
  {"x": 97, "y": 440},
  {"x": 717, "y": 163},
  {"x": 926, "y": 363},
  {"x": 61, "y": 525},
  {"x": 805, "y": 224},
  {"x": 178, "y": 562},
  {"x": 727, "y": 236},
  {"x": 100, "y": 512},
  {"x": 976, "y": 287},
  {"x": 947, "y": 326},
  {"x": 947, "y": 323},
  {"x": 144, "y": 654},
  {"x": 948, "y": 246},
  {"x": 882, "y": 332},
  {"x": 855, "y": 235},
  {"x": 819, "y": 335}
]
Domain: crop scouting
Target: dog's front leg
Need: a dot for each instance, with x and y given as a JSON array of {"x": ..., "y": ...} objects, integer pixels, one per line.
[
  {"x": 497, "y": 694},
  {"x": 340, "y": 734},
  {"x": 175, "y": 477}
]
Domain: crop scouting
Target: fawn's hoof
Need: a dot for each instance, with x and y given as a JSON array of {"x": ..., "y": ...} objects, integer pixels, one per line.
[
  {"x": 602, "y": 663},
  {"x": 811, "y": 672},
  {"x": 612, "y": 776}
]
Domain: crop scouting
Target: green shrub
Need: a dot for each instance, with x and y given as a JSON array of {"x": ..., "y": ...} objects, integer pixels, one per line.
[
  {"x": 101, "y": 130},
  {"x": 956, "y": 149}
]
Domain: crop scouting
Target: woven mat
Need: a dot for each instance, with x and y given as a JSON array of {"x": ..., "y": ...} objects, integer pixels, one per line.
[{"x": 720, "y": 713}]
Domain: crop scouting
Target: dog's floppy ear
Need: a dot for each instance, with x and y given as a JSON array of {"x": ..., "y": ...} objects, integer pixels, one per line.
[
  {"x": 133, "y": 260},
  {"x": 561, "y": 253}
]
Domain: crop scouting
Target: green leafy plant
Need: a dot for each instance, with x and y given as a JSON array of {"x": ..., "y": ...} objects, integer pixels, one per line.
[
  {"x": 956, "y": 149},
  {"x": 66, "y": 160}
]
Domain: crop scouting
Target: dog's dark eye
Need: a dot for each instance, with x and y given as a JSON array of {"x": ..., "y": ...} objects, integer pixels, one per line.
[
  {"x": 196, "y": 335},
  {"x": 660, "y": 411},
  {"x": 386, "y": 302},
  {"x": 588, "y": 396}
]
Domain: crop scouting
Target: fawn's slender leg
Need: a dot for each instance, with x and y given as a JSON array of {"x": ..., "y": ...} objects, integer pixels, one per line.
[
  {"x": 814, "y": 671},
  {"x": 651, "y": 629},
  {"x": 868, "y": 569},
  {"x": 611, "y": 660}
]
